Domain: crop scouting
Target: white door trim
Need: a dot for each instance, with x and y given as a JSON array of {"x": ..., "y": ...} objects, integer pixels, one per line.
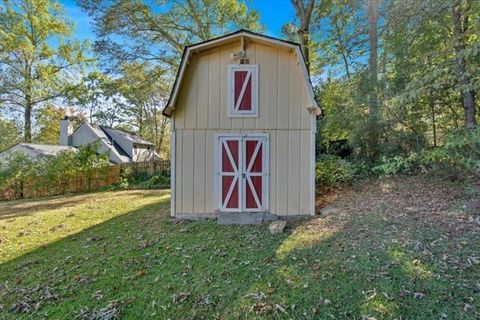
[{"x": 242, "y": 138}]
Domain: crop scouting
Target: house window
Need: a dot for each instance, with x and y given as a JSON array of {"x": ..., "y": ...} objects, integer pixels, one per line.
[{"x": 242, "y": 90}]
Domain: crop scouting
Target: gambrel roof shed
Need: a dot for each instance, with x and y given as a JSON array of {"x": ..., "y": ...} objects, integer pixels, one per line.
[
  {"x": 243, "y": 116},
  {"x": 229, "y": 38}
]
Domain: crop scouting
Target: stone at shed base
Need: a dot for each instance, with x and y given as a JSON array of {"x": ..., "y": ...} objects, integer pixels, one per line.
[
  {"x": 277, "y": 227},
  {"x": 225, "y": 218}
]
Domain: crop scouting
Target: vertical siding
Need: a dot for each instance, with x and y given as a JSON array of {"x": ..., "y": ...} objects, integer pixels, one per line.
[
  {"x": 271, "y": 89},
  {"x": 202, "y": 85},
  {"x": 305, "y": 172},
  {"x": 294, "y": 171},
  {"x": 210, "y": 174},
  {"x": 290, "y": 172},
  {"x": 190, "y": 113},
  {"x": 199, "y": 166},
  {"x": 295, "y": 106},
  {"x": 281, "y": 172},
  {"x": 213, "y": 106},
  {"x": 201, "y": 113},
  {"x": 284, "y": 90},
  {"x": 283, "y": 99},
  {"x": 179, "y": 171},
  {"x": 225, "y": 122},
  {"x": 273, "y": 171},
  {"x": 187, "y": 171}
]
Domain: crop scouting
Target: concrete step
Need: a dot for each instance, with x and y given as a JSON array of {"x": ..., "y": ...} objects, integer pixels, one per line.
[{"x": 244, "y": 218}]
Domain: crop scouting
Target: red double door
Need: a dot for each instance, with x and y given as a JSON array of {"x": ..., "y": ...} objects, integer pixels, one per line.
[{"x": 243, "y": 173}]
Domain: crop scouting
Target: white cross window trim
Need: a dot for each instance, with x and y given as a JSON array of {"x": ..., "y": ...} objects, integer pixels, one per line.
[{"x": 234, "y": 109}]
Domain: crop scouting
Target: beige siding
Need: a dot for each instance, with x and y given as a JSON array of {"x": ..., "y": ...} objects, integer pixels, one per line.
[
  {"x": 283, "y": 99},
  {"x": 201, "y": 113},
  {"x": 290, "y": 189}
]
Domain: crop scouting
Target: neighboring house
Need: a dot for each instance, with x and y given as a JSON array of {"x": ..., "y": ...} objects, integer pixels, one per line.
[
  {"x": 243, "y": 117},
  {"x": 122, "y": 147},
  {"x": 33, "y": 151}
]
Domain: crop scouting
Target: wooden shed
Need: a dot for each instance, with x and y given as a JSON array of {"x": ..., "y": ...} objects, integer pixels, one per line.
[{"x": 243, "y": 127}]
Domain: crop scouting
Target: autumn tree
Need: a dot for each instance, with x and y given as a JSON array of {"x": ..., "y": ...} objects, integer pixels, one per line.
[
  {"x": 373, "y": 121},
  {"x": 145, "y": 90},
  {"x": 156, "y": 32},
  {"x": 36, "y": 56},
  {"x": 10, "y": 133},
  {"x": 461, "y": 18},
  {"x": 48, "y": 123},
  {"x": 303, "y": 11}
]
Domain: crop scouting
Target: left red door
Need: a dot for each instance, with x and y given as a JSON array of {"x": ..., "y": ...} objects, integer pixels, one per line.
[{"x": 230, "y": 174}]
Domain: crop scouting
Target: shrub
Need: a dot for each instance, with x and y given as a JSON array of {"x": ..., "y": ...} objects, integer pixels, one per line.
[
  {"x": 132, "y": 179},
  {"x": 157, "y": 181},
  {"x": 331, "y": 172},
  {"x": 52, "y": 171},
  {"x": 399, "y": 165},
  {"x": 459, "y": 157}
]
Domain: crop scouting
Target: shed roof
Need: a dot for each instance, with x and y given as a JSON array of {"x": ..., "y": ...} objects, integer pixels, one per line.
[{"x": 230, "y": 38}]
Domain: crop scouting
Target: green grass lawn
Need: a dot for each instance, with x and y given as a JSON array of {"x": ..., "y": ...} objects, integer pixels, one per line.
[{"x": 397, "y": 248}]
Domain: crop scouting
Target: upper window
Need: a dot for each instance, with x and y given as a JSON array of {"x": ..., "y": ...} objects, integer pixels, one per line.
[{"x": 242, "y": 90}]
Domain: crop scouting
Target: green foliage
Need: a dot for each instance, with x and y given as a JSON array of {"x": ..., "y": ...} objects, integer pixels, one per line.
[
  {"x": 37, "y": 57},
  {"x": 331, "y": 172},
  {"x": 143, "y": 180},
  {"x": 10, "y": 133},
  {"x": 399, "y": 164},
  {"x": 171, "y": 25},
  {"x": 156, "y": 181},
  {"x": 52, "y": 171},
  {"x": 15, "y": 169},
  {"x": 420, "y": 84},
  {"x": 459, "y": 157},
  {"x": 48, "y": 123}
]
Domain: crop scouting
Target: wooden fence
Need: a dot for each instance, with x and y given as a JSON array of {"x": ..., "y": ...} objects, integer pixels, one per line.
[
  {"x": 149, "y": 167},
  {"x": 38, "y": 187}
]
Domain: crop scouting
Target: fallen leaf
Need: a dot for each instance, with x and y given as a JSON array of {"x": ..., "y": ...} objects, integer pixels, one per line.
[
  {"x": 181, "y": 297},
  {"x": 418, "y": 295}
]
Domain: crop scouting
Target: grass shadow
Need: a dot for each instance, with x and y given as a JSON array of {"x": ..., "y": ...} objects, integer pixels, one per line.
[{"x": 24, "y": 207}]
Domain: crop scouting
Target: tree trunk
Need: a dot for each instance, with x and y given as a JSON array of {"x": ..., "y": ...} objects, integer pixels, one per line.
[
  {"x": 460, "y": 27},
  {"x": 434, "y": 120},
  {"x": 304, "y": 13},
  {"x": 343, "y": 49},
  {"x": 28, "y": 120},
  {"x": 373, "y": 121},
  {"x": 163, "y": 126}
]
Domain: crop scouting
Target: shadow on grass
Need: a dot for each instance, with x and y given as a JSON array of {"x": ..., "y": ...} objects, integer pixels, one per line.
[
  {"x": 24, "y": 207},
  {"x": 158, "y": 268}
]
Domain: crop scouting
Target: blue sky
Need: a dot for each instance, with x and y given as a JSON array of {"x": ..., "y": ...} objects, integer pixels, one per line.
[{"x": 273, "y": 14}]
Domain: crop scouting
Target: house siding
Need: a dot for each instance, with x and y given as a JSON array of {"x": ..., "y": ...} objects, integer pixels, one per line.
[
  {"x": 84, "y": 136},
  {"x": 201, "y": 113}
]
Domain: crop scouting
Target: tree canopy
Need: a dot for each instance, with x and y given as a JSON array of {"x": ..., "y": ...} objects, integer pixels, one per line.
[
  {"x": 392, "y": 76},
  {"x": 37, "y": 56}
]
